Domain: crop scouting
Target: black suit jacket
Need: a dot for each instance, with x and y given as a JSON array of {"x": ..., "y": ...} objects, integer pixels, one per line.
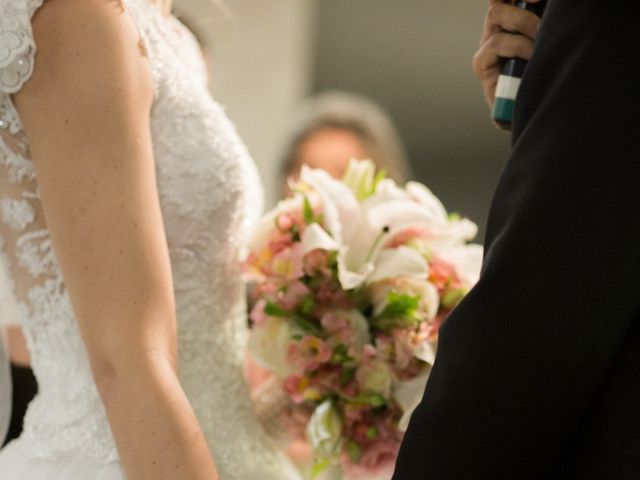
[{"x": 538, "y": 370}]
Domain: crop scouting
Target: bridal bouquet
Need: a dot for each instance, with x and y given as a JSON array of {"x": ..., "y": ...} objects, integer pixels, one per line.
[{"x": 352, "y": 280}]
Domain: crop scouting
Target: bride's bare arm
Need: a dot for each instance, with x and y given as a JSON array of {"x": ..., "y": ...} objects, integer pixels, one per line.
[{"x": 86, "y": 114}]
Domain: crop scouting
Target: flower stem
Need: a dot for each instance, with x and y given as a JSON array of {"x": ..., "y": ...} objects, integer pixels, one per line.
[{"x": 376, "y": 244}]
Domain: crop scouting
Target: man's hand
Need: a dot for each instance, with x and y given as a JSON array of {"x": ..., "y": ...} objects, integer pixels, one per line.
[{"x": 508, "y": 32}]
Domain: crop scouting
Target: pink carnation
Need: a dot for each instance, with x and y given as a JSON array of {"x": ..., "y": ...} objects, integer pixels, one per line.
[
  {"x": 294, "y": 385},
  {"x": 443, "y": 274},
  {"x": 331, "y": 294},
  {"x": 288, "y": 263},
  {"x": 404, "y": 347},
  {"x": 309, "y": 353},
  {"x": 316, "y": 262},
  {"x": 293, "y": 295},
  {"x": 333, "y": 323},
  {"x": 378, "y": 459},
  {"x": 257, "y": 316}
]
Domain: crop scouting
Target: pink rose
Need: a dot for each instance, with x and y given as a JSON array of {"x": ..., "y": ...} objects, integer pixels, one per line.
[
  {"x": 293, "y": 295},
  {"x": 378, "y": 458}
]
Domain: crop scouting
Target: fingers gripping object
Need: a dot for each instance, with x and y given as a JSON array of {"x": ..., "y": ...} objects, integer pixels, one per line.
[{"x": 510, "y": 78}]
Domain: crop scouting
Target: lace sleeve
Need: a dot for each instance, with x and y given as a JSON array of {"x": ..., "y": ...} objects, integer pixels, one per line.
[{"x": 17, "y": 47}]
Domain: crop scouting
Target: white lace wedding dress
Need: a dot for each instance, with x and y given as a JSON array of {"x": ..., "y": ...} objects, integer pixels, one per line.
[{"x": 209, "y": 192}]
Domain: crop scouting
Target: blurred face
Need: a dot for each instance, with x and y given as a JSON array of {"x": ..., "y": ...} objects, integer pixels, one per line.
[{"x": 330, "y": 149}]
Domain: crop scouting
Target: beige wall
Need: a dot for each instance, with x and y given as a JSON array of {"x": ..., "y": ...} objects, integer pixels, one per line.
[{"x": 260, "y": 62}]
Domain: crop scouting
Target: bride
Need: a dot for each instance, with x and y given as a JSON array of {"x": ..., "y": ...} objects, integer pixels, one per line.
[{"x": 125, "y": 195}]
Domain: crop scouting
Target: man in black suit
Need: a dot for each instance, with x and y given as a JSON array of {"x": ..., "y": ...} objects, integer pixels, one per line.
[{"x": 538, "y": 369}]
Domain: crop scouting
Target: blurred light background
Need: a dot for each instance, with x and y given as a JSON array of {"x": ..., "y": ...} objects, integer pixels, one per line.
[{"x": 413, "y": 57}]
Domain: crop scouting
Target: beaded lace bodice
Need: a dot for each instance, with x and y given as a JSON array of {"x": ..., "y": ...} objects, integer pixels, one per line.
[{"x": 209, "y": 192}]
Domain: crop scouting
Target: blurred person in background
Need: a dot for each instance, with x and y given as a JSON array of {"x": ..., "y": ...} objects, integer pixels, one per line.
[{"x": 333, "y": 127}]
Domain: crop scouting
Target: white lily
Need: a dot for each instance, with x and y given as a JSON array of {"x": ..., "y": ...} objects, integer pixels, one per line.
[
  {"x": 360, "y": 178},
  {"x": 425, "y": 197},
  {"x": 360, "y": 229},
  {"x": 408, "y": 395},
  {"x": 467, "y": 259},
  {"x": 316, "y": 237},
  {"x": 324, "y": 431},
  {"x": 391, "y": 261}
]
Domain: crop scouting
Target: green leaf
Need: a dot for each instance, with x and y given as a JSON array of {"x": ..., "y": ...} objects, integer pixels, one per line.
[
  {"x": 274, "y": 310},
  {"x": 295, "y": 234},
  {"x": 307, "y": 211},
  {"x": 372, "y": 398},
  {"x": 307, "y": 305},
  {"x": 319, "y": 466},
  {"x": 307, "y": 325},
  {"x": 339, "y": 355},
  {"x": 354, "y": 450},
  {"x": 401, "y": 304},
  {"x": 452, "y": 297},
  {"x": 332, "y": 261},
  {"x": 347, "y": 375},
  {"x": 373, "y": 432},
  {"x": 377, "y": 400},
  {"x": 454, "y": 217},
  {"x": 401, "y": 311},
  {"x": 381, "y": 175}
]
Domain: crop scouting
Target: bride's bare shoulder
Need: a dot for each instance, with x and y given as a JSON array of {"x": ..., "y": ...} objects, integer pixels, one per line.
[
  {"x": 59, "y": 19},
  {"x": 68, "y": 31},
  {"x": 88, "y": 43}
]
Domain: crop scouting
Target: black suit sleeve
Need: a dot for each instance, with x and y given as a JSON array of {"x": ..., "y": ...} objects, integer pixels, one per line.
[{"x": 522, "y": 358}]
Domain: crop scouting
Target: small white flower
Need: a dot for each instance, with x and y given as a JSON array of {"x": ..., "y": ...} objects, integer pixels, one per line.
[
  {"x": 399, "y": 262},
  {"x": 360, "y": 178},
  {"x": 355, "y": 326},
  {"x": 269, "y": 343},
  {"x": 324, "y": 432},
  {"x": 375, "y": 376},
  {"x": 408, "y": 395},
  {"x": 316, "y": 237},
  {"x": 427, "y": 293},
  {"x": 467, "y": 260}
]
